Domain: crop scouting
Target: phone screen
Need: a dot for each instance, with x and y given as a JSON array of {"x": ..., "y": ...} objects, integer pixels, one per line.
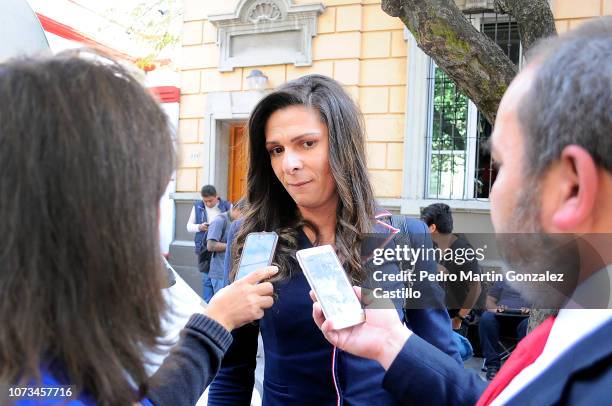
[
  {"x": 331, "y": 286},
  {"x": 257, "y": 253}
]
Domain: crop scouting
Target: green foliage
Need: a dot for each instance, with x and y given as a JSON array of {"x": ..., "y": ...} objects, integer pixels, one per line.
[
  {"x": 450, "y": 114},
  {"x": 449, "y": 135},
  {"x": 154, "y": 24}
]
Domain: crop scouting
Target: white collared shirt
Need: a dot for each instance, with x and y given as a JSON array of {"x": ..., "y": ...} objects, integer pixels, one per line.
[
  {"x": 193, "y": 227},
  {"x": 571, "y": 326},
  {"x": 211, "y": 213}
]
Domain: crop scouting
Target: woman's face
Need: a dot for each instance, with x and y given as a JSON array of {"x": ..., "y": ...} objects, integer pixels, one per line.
[{"x": 298, "y": 144}]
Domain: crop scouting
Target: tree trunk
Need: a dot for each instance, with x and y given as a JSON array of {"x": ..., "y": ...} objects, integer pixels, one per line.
[
  {"x": 471, "y": 59},
  {"x": 534, "y": 18}
]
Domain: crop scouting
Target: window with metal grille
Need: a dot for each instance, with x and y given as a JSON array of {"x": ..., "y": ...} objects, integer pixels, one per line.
[{"x": 458, "y": 163}]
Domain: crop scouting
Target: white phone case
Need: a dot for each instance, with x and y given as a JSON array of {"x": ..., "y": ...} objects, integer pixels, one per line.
[{"x": 331, "y": 285}]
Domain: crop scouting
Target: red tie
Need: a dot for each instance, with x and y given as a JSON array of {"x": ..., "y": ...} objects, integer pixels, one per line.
[{"x": 526, "y": 352}]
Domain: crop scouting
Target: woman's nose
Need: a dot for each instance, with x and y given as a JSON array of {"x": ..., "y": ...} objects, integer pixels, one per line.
[{"x": 292, "y": 162}]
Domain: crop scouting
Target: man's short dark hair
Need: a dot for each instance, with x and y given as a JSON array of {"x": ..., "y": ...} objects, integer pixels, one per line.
[
  {"x": 570, "y": 102},
  {"x": 208, "y": 191},
  {"x": 440, "y": 215}
]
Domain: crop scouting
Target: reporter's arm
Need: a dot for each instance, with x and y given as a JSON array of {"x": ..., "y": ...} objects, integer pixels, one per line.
[
  {"x": 422, "y": 374},
  {"x": 417, "y": 372},
  {"x": 192, "y": 364}
]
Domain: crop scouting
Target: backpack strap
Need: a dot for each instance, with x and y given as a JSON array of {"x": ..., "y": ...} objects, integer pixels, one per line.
[
  {"x": 401, "y": 238},
  {"x": 397, "y": 221}
]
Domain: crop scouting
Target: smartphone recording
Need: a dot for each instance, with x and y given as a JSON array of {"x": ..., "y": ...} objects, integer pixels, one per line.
[
  {"x": 331, "y": 286},
  {"x": 257, "y": 253}
]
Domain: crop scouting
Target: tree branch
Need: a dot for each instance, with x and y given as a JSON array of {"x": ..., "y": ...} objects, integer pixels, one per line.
[
  {"x": 472, "y": 60},
  {"x": 534, "y": 18},
  {"x": 392, "y": 7}
]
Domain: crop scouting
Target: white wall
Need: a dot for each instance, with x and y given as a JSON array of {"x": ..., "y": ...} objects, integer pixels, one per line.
[{"x": 166, "y": 205}]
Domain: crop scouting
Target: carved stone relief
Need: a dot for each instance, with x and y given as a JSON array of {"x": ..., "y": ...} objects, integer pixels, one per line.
[{"x": 266, "y": 32}]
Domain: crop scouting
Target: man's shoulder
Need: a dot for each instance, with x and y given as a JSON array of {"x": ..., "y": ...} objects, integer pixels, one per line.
[
  {"x": 216, "y": 227},
  {"x": 414, "y": 226},
  {"x": 581, "y": 373},
  {"x": 224, "y": 205},
  {"x": 220, "y": 219},
  {"x": 461, "y": 242},
  {"x": 402, "y": 222},
  {"x": 591, "y": 348}
]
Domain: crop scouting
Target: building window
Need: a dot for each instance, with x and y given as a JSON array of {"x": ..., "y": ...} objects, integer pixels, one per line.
[
  {"x": 458, "y": 163},
  {"x": 447, "y": 141}
]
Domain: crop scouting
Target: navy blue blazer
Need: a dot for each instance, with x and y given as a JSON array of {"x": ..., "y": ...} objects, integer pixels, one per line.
[
  {"x": 301, "y": 367},
  {"x": 421, "y": 374}
]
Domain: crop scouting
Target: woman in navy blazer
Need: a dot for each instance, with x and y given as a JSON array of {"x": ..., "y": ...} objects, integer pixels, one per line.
[{"x": 308, "y": 181}]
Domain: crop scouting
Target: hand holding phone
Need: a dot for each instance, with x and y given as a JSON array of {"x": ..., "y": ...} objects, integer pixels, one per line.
[
  {"x": 381, "y": 337},
  {"x": 331, "y": 286},
  {"x": 243, "y": 301},
  {"x": 257, "y": 253}
]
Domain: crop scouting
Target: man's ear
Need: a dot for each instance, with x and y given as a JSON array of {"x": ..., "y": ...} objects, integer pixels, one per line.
[
  {"x": 578, "y": 176},
  {"x": 432, "y": 228}
]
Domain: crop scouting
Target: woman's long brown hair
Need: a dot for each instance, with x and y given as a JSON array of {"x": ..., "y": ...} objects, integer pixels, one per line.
[
  {"x": 271, "y": 208},
  {"x": 86, "y": 153}
]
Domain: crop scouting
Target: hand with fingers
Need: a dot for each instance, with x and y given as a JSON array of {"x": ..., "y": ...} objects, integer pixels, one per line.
[
  {"x": 244, "y": 300},
  {"x": 380, "y": 337}
]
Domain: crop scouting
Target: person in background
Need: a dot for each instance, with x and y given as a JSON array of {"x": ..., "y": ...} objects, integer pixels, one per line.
[
  {"x": 82, "y": 274},
  {"x": 501, "y": 299},
  {"x": 463, "y": 293},
  {"x": 202, "y": 214},
  {"x": 216, "y": 242}
]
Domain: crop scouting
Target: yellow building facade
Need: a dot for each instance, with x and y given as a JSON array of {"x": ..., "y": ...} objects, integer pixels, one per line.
[{"x": 356, "y": 43}]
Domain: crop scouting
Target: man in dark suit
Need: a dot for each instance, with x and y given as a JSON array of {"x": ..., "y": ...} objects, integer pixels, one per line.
[{"x": 553, "y": 145}]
